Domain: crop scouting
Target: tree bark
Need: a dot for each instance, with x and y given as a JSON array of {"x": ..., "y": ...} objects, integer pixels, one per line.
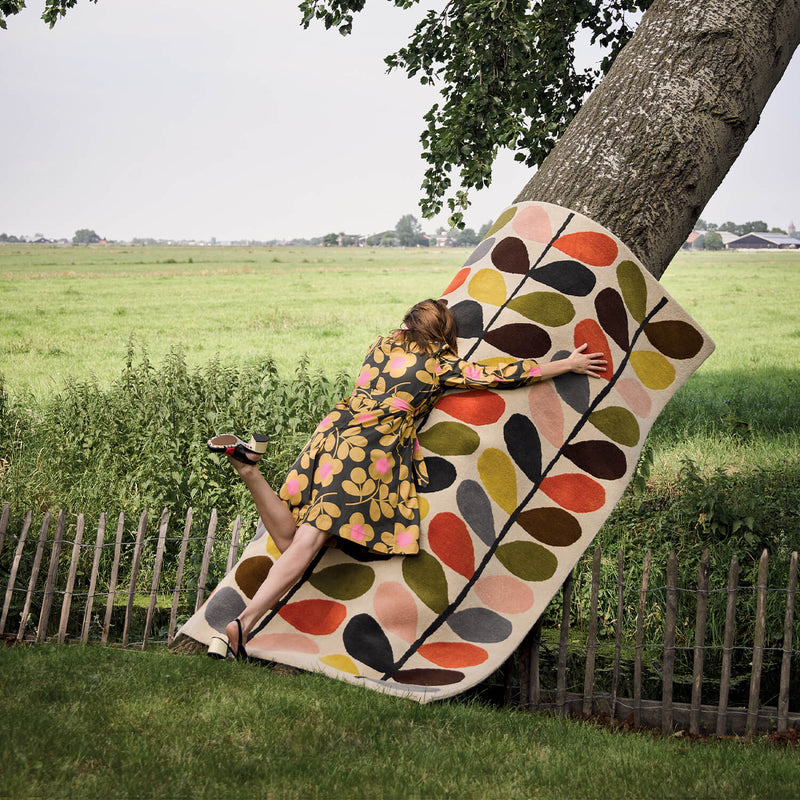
[{"x": 654, "y": 140}]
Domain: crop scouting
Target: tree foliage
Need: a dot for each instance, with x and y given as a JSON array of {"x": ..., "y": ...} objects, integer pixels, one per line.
[
  {"x": 53, "y": 9},
  {"x": 506, "y": 74}
]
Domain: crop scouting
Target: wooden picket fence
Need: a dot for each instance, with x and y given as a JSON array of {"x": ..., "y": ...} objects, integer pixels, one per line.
[{"x": 30, "y": 600}]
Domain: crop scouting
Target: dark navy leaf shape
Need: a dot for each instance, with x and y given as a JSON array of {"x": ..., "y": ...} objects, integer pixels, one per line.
[
  {"x": 480, "y": 625},
  {"x": 476, "y": 509},
  {"x": 569, "y": 277},
  {"x": 601, "y": 459},
  {"x": 520, "y": 339},
  {"x": 469, "y": 319},
  {"x": 365, "y": 641},
  {"x": 613, "y": 316},
  {"x": 572, "y": 388},
  {"x": 511, "y": 255},
  {"x": 441, "y": 474},
  {"x": 524, "y": 446}
]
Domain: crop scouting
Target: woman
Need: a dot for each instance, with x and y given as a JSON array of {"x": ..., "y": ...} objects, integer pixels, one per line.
[{"x": 356, "y": 480}]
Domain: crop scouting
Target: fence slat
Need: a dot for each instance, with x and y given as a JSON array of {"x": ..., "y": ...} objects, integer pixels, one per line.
[
  {"x": 637, "y": 658},
  {"x": 37, "y": 561},
  {"x": 12, "y": 576},
  {"x": 561, "y": 686},
  {"x": 112, "y": 584},
  {"x": 52, "y": 574},
  {"x": 233, "y": 553},
  {"x": 4, "y": 524},
  {"x": 98, "y": 549},
  {"x": 137, "y": 557},
  {"x": 151, "y": 606},
  {"x": 758, "y": 645},
  {"x": 786, "y": 660},
  {"x": 201, "y": 581},
  {"x": 670, "y": 622},
  {"x": 176, "y": 596},
  {"x": 66, "y": 603},
  {"x": 727, "y": 648},
  {"x": 618, "y": 629},
  {"x": 701, "y": 618},
  {"x": 535, "y": 686},
  {"x": 591, "y": 644}
]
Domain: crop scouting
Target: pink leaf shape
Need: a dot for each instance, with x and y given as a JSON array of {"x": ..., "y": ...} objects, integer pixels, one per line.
[
  {"x": 533, "y": 223},
  {"x": 396, "y": 610},
  {"x": 504, "y": 593},
  {"x": 547, "y": 412},
  {"x": 635, "y": 396}
]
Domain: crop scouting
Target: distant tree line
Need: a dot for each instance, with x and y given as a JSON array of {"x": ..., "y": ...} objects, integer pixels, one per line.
[{"x": 740, "y": 229}]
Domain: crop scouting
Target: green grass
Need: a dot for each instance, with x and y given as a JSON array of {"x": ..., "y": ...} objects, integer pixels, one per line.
[
  {"x": 104, "y": 723},
  {"x": 72, "y": 311}
]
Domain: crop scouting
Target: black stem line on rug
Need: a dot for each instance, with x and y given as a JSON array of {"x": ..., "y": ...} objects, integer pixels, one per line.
[
  {"x": 442, "y": 618},
  {"x": 525, "y": 277}
]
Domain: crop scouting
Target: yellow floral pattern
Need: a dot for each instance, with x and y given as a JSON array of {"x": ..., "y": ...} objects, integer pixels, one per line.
[{"x": 358, "y": 475}]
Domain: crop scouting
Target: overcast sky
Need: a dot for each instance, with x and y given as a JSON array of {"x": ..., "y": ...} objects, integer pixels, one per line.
[{"x": 191, "y": 119}]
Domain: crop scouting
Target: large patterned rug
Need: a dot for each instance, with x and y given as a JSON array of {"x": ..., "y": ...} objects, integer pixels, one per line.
[{"x": 521, "y": 481}]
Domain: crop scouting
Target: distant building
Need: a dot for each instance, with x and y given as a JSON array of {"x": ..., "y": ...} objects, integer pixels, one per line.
[{"x": 764, "y": 241}]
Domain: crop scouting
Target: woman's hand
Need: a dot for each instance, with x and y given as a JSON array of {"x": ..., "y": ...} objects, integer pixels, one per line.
[
  {"x": 577, "y": 361},
  {"x": 587, "y": 363}
]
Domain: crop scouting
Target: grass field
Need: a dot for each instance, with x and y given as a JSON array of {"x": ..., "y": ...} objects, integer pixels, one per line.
[
  {"x": 92, "y": 722},
  {"x": 73, "y": 310}
]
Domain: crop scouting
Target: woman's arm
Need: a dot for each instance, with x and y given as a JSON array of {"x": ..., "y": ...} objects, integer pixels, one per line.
[{"x": 577, "y": 361}]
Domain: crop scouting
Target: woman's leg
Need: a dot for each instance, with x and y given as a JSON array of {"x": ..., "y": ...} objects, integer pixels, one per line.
[
  {"x": 284, "y": 573},
  {"x": 274, "y": 513}
]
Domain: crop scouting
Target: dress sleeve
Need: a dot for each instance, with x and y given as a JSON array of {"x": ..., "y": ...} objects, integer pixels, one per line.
[{"x": 457, "y": 373}]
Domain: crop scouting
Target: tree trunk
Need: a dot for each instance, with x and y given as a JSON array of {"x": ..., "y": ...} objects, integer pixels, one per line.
[{"x": 654, "y": 140}]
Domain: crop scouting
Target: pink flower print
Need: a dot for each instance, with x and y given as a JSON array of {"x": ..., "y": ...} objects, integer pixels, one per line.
[
  {"x": 404, "y": 539},
  {"x": 397, "y": 363},
  {"x": 473, "y": 373},
  {"x": 357, "y": 533},
  {"x": 534, "y": 372},
  {"x": 363, "y": 378},
  {"x": 400, "y": 404},
  {"x": 325, "y": 470},
  {"x": 292, "y": 486},
  {"x": 382, "y": 465}
]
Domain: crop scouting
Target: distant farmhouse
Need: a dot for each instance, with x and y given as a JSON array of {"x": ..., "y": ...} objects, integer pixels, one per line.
[{"x": 764, "y": 241}]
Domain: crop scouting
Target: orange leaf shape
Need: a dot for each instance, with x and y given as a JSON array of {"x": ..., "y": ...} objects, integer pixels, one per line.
[
  {"x": 453, "y": 654},
  {"x": 591, "y": 333},
  {"x": 476, "y": 407},
  {"x": 591, "y": 247},
  {"x": 449, "y": 538},
  {"x": 317, "y": 617},
  {"x": 460, "y": 277},
  {"x": 575, "y": 492}
]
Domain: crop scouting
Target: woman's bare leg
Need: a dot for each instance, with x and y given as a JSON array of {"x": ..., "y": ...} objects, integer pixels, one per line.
[
  {"x": 285, "y": 572},
  {"x": 274, "y": 513}
]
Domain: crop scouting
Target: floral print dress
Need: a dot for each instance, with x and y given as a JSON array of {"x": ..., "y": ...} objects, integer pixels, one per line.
[{"x": 358, "y": 475}]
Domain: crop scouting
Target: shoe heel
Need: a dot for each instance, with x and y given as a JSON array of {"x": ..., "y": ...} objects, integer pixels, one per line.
[{"x": 218, "y": 647}]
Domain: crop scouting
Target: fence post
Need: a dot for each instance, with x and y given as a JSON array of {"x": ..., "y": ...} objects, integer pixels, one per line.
[
  {"x": 179, "y": 577},
  {"x": 670, "y": 620},
  {"x": 786, "y": 660},
  {"x": 52, "y": 574},
  {"x": 591, "y": 644},
  {"x": 73, "y": 568},
  {"x": 233, "y": 553},
  {"x": 561, "y": 685},
  {"x": 162, "y": 535},
  {"x": 699, "y": 641},
  {"x": 758, "y": 645},
  {"x": 637, "y": 658},
  {"x": 112, "y": 586},
  {"x": 137, "y": 556},
  {"x": 535, "y": 686},
  {"x": 201, "y": 581},
  {"x": 12, "y": 577},
  {"x": 37, "y": 561},
  {"x": 98, "y": 549},
  {"x": 618, "y": 631},
  {"x": 727, "y": 648}
]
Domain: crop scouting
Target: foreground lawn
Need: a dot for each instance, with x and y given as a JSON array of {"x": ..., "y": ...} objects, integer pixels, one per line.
[{"x": 99, "y": 722}]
